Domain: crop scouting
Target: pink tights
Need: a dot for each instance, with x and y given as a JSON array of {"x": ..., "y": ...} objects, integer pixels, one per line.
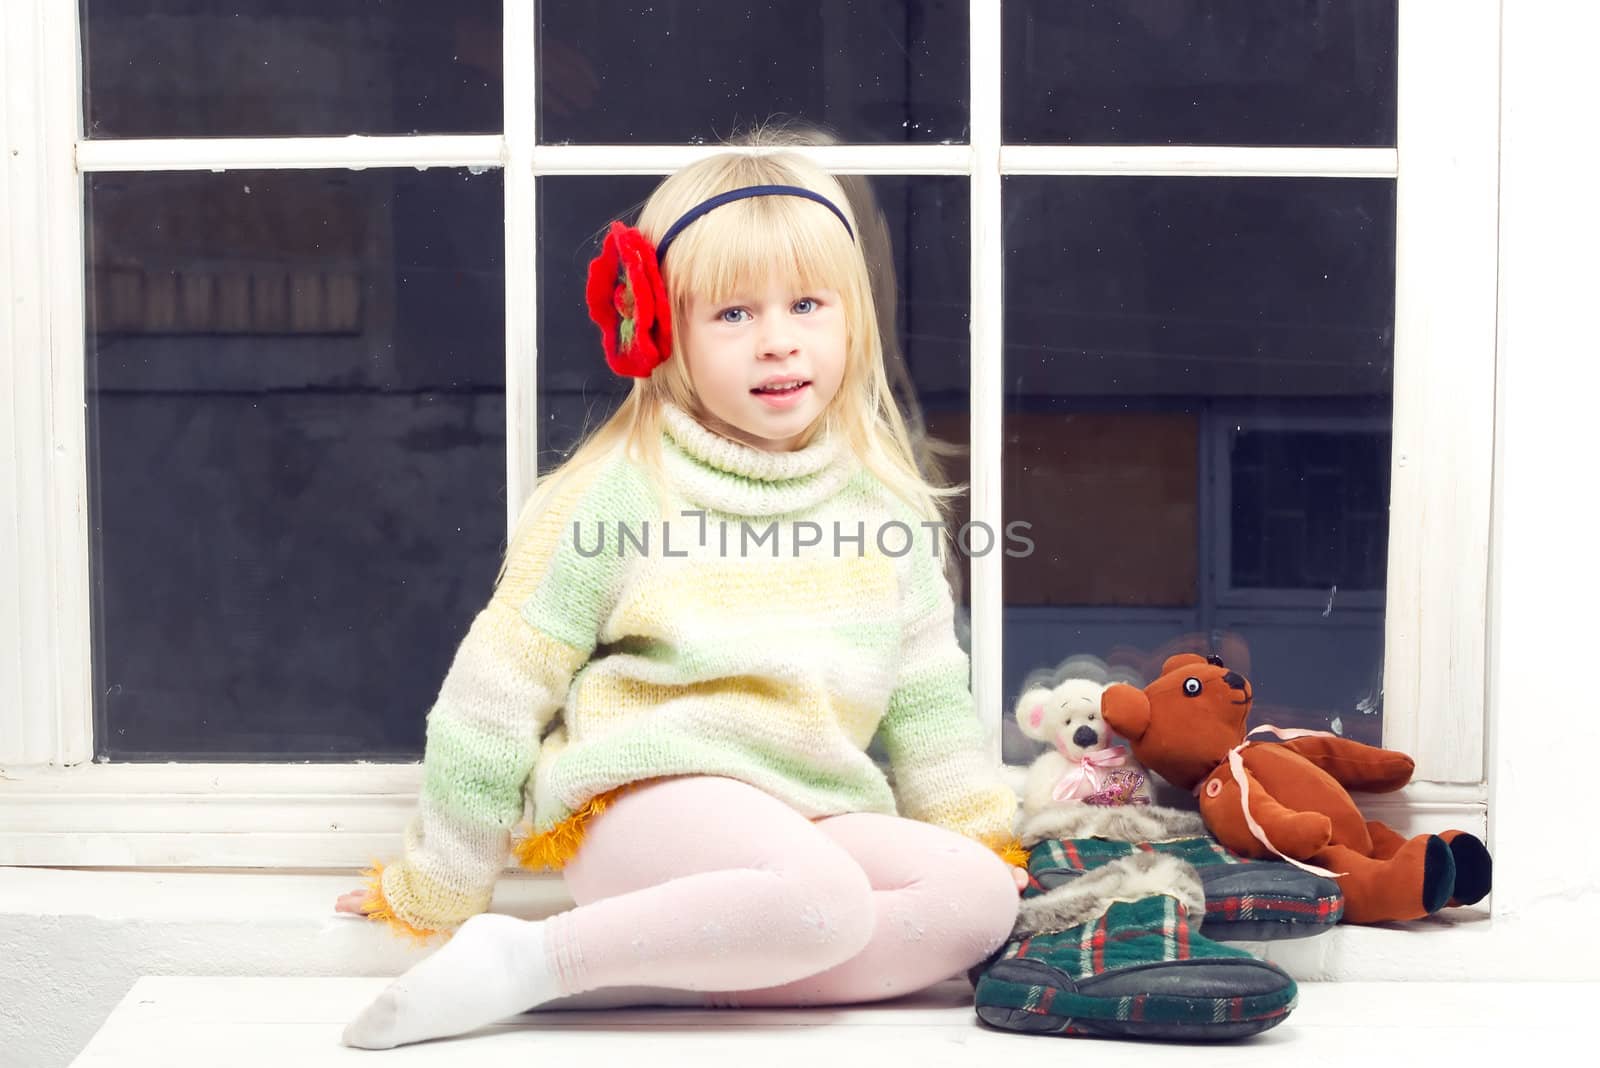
[{"x": 708, "y": 884}]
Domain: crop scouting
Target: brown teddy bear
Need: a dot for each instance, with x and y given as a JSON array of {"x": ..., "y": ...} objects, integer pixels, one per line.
[{"x": 1188, "y": 726}]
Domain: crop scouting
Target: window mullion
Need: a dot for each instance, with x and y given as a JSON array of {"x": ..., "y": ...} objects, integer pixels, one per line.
[
  {"x": 521, "y": 258},
  {"x": 1244, "y": 161},
  {"x": 987, "y": 320},
  {"x": 612, "y": 160},
  {"x": 291, "y": 153},
  {"x": 489, "y": 150},
  {"x": 1445, "y": 319},
  {"x": 46, "y": 685}
]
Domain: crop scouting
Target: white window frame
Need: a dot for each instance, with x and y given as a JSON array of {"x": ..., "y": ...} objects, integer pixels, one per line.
[{"x": 58, "y": 807}]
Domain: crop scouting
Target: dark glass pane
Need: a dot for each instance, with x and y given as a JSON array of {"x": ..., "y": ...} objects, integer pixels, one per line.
[
  {"x": 1220, "y": 72},
  {"x": 576, "y": 389},
  {"x": 694, "y": 71},
  {"x": 1300, "y": 661},
  {"x": 1199, "y": 384},
  {"x": 273, "y": 68},
  {"x": 296, "y": 419},
  {"x": 1310, "y": 509}
]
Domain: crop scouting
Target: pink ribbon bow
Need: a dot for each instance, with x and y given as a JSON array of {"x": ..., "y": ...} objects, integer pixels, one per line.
[
  {"x": 1236, "y": 765},
  {"x": 1087, "y": 777}
]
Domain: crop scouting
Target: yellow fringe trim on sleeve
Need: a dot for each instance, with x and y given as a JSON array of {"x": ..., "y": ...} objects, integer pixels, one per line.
[
  {"x": 377, "y": 907},
  {"x": 1012, "y": 851},
  {"x": 552, "y": 849}
]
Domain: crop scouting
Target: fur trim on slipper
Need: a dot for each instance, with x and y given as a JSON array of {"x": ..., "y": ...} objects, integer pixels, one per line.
[
  {"x": 1119, "y": 823},
  {"x": 1091, "y": 894}
]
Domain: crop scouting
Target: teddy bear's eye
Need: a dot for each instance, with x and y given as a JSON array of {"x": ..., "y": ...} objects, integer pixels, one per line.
[{"x": 1191, "y": 687}]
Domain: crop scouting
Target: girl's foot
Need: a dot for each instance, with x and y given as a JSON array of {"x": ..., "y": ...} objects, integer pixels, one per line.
[{"x": 493, "y": 967}]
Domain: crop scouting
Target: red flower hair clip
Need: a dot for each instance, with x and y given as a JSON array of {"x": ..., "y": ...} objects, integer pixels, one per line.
[
  {"x": 628, "y": 302},
  {"x": 627, "y": 298}
]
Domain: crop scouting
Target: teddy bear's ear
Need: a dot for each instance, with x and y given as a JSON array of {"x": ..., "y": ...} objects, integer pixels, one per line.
[
  {"x": 1182, "y": 660},
  {"x": 1033, "y": 713}
]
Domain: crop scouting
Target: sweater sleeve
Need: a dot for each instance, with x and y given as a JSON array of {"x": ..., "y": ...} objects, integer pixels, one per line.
[
  {"x": 930, "y": 731},
  {"x": 508, "y": 679}
]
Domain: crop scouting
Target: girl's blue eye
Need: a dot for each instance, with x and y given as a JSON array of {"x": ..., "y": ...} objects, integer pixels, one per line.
[
  {"x": 723, "y": 315},
  {"x": 808, "y": 301}
]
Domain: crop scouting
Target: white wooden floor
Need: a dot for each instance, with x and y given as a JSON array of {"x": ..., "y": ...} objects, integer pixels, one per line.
[{"x": 240, "y": 1022}]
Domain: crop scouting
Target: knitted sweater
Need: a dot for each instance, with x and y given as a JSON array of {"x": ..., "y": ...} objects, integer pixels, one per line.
[{"x": 762, "y": 617}]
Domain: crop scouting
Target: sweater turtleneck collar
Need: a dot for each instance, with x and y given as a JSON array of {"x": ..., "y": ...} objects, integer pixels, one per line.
[{"x": 724, "y": 475}]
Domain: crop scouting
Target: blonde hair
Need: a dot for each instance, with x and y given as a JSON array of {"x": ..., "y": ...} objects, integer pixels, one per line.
[{"x": 736, "y": 248}]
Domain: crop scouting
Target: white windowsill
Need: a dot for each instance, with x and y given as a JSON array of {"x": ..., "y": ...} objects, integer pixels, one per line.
[{"x": 275, "y": 923}]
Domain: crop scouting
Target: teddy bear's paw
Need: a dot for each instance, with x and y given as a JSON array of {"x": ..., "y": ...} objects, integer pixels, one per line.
[
  {"x": 1474, "y": 868},
  {"x": 1303, "y": 834}
]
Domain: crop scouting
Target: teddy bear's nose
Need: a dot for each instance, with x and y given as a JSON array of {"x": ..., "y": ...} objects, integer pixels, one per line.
[
  {"x": 1084, "y": 737},
  {"x": 1234, "y": 679}
]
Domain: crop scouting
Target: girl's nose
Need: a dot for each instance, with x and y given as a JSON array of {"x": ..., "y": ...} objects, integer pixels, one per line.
[
  {"x": 778, "y": 343},
  {"x": 778, "y": 337}
]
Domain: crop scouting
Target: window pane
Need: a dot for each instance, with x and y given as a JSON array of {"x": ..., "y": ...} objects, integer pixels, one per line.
[
  {"x": 1199, "y": 391},
  {"x": 686, "y": 71},
  {"x": 264, "y": 68},
  {"x": 1227, "y": 72},
  {"x": 1310, "y": 509},
  {"x": 296, "y": 419}
]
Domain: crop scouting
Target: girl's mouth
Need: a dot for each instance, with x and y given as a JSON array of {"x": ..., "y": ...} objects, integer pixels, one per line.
[{"x": 785, "y": 397}]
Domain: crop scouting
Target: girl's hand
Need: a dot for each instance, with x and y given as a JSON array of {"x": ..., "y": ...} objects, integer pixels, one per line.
[
  {"x": 351, "y": 903},
  {"x": 1020, "y": 877}
]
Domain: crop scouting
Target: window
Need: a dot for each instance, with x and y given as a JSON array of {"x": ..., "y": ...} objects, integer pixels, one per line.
[{"x": 1109, "y": 225}]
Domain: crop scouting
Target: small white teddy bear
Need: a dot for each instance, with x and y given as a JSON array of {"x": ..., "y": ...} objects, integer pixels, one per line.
[{"x": 1082, "y": 765}]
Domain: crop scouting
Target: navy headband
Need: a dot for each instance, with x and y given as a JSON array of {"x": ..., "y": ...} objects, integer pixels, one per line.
[{"x": 739, "y": 194}]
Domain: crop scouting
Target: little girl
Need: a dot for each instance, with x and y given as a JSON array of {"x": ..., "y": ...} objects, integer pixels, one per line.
[{"x": 726, "y": 592}]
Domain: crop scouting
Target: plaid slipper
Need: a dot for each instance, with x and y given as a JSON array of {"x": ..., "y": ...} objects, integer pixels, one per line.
[
  {"x": 1113, "y": 954},
  {"x": 1246, "y": 900}
]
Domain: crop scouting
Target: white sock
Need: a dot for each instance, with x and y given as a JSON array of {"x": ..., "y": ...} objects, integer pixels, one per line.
[{"x": 493, "y": 967}]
